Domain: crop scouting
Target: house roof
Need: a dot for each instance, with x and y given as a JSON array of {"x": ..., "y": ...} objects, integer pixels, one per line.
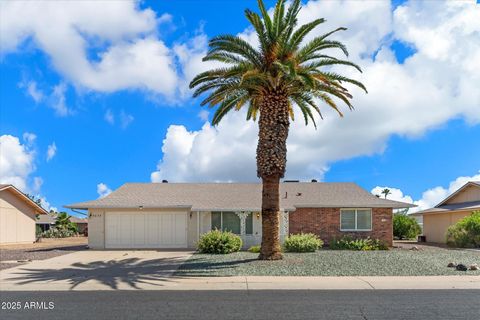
[
  {"x": 466, "y": 185},
  {"x": 237, "y": 196},
  {"x": 462, "y": 206},
  {"x": 39, "y": 209},
  {"x": 52, "y": 217}
]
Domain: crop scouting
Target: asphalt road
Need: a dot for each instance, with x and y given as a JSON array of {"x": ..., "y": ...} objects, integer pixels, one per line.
[{"x": 351, "y": 304}]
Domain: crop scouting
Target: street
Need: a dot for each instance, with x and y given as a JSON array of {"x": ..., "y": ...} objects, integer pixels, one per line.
[{"x": 258, "y": 304}]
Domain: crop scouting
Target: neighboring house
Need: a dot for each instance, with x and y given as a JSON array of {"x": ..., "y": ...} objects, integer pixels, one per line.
[
  {"x": 458, "y": 205},
  {"x": 174, "y": 215},
  {"x": 45, "y": 222},
  {"x": 17, "y": 216},
  {"x": 82, "y": 224}
]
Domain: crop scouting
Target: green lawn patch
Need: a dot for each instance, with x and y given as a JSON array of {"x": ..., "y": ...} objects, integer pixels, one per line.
[{"x": 395, "y": 262}]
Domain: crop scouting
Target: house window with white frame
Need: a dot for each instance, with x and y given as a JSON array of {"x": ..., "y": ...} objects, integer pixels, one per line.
[
  {"x": 355, "y": 219},
  {"x": 230, "y": 221}
]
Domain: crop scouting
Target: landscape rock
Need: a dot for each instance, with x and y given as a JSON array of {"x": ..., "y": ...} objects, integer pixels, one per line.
[
  {"x": 461, "y": 267},
  {"x": 414, "y": 248},
  {"x": 451, "y": 265},
  {"x": 474, "y": 266}
]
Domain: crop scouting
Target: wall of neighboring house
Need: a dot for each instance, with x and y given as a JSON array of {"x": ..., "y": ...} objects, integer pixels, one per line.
[
  {"x": 470, "y": 193},
  {"x": 17, "y": 219},
  {"x": 435, "y": 225},
  {"x": 325, "y": 222}
]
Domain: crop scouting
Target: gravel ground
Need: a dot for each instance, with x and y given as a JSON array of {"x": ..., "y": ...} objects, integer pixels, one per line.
[
  {"x": 38, "y": 251},
  {"x": 395, "y": 262}
]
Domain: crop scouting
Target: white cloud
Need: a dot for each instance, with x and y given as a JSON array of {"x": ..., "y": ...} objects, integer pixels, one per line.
[
  {"x": 51, "y": 151},
  {"x": 33, "y": 91},
  {"x": 103, "y": 190},
  {"x": 16, "y": 161},
  {"x": 58, "y": 100},
  {"x": 190, "y": 55},
  {"x": 29, "y": 138},
  {"x": 404, "y": 99},
  {"x": 430, "y": 197},
  {"x": 125, "y": 119},
  {"x": 109, "y": 117},
  {"x": 203, "y": 115},
  {"x": 395, "y": 194},
  {"x": 130, "y": 55},
  {"x": 37, "y": 184}
]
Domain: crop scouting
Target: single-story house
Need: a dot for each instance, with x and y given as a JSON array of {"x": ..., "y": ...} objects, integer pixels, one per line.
[
  {"x": 458, "y": 205},
  {"x": 45, "y": 222},
  {"x": 175, "y": 215},
  {"x": 82, "y": 224},
  {"x": 18, "y": 214}
]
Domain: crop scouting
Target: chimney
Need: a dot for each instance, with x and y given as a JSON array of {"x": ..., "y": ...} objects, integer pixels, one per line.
[{"x": 164, "y": 181}]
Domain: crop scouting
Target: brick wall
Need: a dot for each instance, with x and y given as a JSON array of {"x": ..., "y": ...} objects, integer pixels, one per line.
[{"x": 325, "y": 222}]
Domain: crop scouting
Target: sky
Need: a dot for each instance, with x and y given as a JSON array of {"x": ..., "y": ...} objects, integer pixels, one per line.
[{"x": 95, "y": 94}]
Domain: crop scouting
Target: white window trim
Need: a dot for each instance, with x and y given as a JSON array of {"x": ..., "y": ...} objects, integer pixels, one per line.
[
  {"x": 221, "y": 222},
  {"x": 356, "y": 230}
]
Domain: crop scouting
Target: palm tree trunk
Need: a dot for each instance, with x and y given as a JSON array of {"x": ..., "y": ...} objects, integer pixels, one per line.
[
  {"x": 271, "y": 249},
  {"x": 271, "y": 164}
]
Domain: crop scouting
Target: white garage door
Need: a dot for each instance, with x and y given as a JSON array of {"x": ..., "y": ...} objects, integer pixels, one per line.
[{"x": 146, "y": 230}]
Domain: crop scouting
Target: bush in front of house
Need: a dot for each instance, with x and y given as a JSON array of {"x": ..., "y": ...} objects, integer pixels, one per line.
[
  {"x": 466, "y": 232},
  {"x": 349, "y": 243},
  {"x": 303, "y": 242},
  {"x": 219, "y": 242},
  {"x": 58, "y": 233},
  {"x": 254, "y": 249},
  {"x": 405, "y": 227}
]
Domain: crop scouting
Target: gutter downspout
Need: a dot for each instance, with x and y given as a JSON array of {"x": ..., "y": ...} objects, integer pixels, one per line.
[{"x": 79, "y": 212}]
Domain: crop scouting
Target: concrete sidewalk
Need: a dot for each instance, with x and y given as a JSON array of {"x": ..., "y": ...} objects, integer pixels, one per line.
[{"x": 256, "y": 283}]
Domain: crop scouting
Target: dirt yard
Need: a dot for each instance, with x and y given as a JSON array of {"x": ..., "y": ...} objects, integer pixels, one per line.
[{"x": 13, "y": 255}]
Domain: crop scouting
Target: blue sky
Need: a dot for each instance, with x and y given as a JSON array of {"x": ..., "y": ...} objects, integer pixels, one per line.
[{"x": 112, "y": 132}]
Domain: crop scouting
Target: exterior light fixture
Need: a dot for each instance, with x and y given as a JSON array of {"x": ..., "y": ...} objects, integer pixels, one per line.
[{"x": 258, "y": 215}]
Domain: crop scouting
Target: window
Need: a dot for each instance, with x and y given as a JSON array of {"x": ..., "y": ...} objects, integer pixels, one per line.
[
  {"x": 356, "y": 220},
  {"x": 229, "y": 221}
]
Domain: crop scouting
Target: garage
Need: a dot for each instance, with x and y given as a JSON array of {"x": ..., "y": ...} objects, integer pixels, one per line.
[{"x": 137, "y": 230}]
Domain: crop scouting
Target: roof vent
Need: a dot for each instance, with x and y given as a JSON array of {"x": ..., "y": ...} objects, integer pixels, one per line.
[
  {"x": 314, "y": 180},
  {"x": 291, "y": 181},
  {"x": 164, "y": 181}
]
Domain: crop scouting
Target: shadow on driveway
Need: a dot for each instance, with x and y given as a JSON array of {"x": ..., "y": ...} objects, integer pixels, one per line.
[{"x": 131, "y": 271}]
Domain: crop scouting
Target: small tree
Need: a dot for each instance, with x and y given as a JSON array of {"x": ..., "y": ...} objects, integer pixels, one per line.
[
  {"x": 466, "y": 232},
  {"x": 63, "y": 222},
  {"x": 405, "y": 227}
]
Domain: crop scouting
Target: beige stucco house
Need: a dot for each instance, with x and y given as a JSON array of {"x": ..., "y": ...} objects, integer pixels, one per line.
[
  {"x": 175, "y": 215},
  {"x": 17, "y": 216},
  {"x": 455, "y": 207}
]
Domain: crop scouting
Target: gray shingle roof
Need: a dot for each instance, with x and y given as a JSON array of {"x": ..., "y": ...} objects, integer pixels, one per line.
[
  {"x": 473, "y": 205},
  {"x": 237, "y": 196}
]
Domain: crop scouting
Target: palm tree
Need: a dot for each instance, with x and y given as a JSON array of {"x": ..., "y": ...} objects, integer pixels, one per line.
[
  {"x": 269, "y": 80},
  {"x": 386, "y": 192},
  {"x": 63, "y": 222}
]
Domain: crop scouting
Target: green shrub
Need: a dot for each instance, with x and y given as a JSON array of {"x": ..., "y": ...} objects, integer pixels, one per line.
[
  {"x": 219, "y": 242},
  {"x": 58, "y": 233},
  {"x": 254, "y": 249},
  {"x": 303, "y": 242},
  {"x": 349, "y": 243},
  {"x": 405, "y": 227},
  {"x": 466, "y": 232}
]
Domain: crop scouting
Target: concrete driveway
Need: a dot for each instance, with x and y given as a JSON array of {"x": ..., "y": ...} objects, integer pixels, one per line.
[{"x": 96, "y": 270}]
